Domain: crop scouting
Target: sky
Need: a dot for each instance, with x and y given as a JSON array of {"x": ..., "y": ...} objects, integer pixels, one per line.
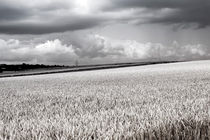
[{"x": 103, "y": 31}]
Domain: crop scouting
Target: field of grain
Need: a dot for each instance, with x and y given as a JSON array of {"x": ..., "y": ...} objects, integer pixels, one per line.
[{"x": 165, "y": 101}]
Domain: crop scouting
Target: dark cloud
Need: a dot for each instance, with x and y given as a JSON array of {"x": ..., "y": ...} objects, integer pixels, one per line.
[
  {"x": 41, "y": 17},
  {"x": 50, "y": 27},
  {"x": 8, "y": 13},
  {"x": 197, "y": 15},
  {"x": 118, "y": 4},
  {"x": 185, "y": 11}
]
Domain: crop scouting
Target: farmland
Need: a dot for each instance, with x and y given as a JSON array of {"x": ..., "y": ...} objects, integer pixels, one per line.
[{"x": 165, "y": 101}]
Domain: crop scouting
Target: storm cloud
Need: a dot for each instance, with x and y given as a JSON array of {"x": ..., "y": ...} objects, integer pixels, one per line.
[
  {"x": 49, "y": 16},
  {"x": 169, "y": 11},
  {"x": 105, "y": 31},
  {"x": 56, "y": 25},
  {"x": 42, "y": 17}
]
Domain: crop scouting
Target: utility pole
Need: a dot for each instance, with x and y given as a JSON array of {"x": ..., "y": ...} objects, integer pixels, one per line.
[
  {"x": 76, "y": 63},
  {"x": 159, "y": 53}
]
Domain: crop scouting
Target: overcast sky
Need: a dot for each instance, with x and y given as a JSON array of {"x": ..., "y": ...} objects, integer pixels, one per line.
[{"x": 103, "y": 31}]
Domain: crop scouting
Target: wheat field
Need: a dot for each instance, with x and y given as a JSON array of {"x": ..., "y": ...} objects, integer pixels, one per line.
[{"x": 165, "y": 101}]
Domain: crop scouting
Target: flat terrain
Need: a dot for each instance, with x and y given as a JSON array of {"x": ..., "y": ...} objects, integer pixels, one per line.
[
  {"x": 164, "y": 101},
  {"x": 64, "y": 69}
]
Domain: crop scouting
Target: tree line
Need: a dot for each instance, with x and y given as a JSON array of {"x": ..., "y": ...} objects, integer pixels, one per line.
[{"x": 23, "y": 66}]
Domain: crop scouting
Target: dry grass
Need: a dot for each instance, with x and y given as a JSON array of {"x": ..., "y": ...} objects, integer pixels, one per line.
[{"x": 151, "y": 102}]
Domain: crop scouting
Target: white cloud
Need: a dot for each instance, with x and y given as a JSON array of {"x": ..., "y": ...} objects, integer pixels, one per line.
[
  {"x": 96, "y": 49},
  {"x": 49, "y": 52}
]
